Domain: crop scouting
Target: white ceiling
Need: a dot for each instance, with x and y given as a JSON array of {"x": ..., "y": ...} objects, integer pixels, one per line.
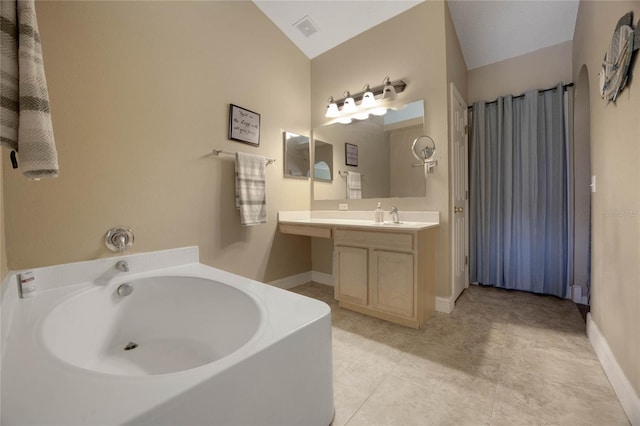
[
  {"x": 489, "y": 31},
  {"x": 337, "y": 21}
]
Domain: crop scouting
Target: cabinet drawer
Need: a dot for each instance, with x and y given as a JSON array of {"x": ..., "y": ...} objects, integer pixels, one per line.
[
  {"x": 385, "y": 240},
  {"x": 309, "y": 231}
]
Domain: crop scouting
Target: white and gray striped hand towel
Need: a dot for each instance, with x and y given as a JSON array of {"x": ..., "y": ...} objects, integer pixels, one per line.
[
  {"x": 25, "y": 115},
  {"x": 354, "y": 186},
  {"x": 251, "y": 197}
]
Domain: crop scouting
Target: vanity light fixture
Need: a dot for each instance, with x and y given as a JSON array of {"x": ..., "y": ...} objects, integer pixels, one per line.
[
  {"x": 388, "y": 92},
  {"x": 332, "y": 109},
  {"x": 349, "y": 106},
  {"x": 368, "y": 102},
  {"x": 374, "y": 101},
  {"x": 368, "y": 99}
]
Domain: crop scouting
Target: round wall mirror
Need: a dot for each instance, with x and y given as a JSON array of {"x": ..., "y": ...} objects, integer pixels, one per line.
[{"x": 424, "y": 148}]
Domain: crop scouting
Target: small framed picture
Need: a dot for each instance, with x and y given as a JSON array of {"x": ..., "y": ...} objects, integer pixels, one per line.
[
  {"x": 351, "y": 154},
  {"x": 244, "y": 125}
]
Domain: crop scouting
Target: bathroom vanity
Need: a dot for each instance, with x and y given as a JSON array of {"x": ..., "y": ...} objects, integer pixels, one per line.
[{"x": 383, "y": 270}]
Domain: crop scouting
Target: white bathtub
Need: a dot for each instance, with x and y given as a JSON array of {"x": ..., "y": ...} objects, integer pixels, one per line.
[{"x": 209, "y": 348}]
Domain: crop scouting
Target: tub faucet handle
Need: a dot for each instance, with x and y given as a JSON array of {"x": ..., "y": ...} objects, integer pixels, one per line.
[
  {"x": 122, "y": 266},
  {"x": 118, "y": 239}
]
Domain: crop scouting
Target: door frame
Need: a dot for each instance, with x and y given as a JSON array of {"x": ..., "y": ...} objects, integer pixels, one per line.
[{"x": 456, "y": 96}]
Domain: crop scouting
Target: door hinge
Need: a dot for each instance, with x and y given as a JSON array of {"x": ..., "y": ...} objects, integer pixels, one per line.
[
  {"x": 466, "y": 194},
  {"x": 466, "y": 260},
  {"x": 466, "y": 129}
]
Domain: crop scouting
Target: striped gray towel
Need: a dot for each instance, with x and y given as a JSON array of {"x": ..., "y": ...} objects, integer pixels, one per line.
[
  {"x": 251, "y": 197},
  {"x": 25, "y": 117}
]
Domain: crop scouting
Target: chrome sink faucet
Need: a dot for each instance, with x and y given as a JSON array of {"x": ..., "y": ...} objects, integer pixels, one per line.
[{"x": 394, "y": 214}]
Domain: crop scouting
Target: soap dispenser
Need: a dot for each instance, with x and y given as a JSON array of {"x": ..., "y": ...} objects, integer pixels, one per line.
[{"x": 379, "y": 214}]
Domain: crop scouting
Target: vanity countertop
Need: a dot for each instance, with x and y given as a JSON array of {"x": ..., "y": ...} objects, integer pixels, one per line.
[{"x": 409, "y": 221}]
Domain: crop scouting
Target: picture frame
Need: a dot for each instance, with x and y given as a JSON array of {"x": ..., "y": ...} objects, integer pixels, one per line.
[
  {"x": 244, "y": 125},
  {"x": 351, "y": 154}
]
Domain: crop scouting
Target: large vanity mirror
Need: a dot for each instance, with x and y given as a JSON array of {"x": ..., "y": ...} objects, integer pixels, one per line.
[
  {"x": 383, "y": 154},
  {"x": 296, "y": 155}
]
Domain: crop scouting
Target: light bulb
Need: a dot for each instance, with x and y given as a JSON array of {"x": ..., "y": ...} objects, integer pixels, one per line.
[
  {"x": 368, "y": 100},
  {"x": 332, "y": 109},
  {"x": 349, "y": 106},
  {"x": 389, "y": 92}
]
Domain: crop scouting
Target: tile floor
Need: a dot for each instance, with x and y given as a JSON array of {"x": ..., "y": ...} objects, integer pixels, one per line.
[{"x": 501, "y": 358}]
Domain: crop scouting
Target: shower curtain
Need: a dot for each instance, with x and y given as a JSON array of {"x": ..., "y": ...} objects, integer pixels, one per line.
[{"x": 519, "y": 222}]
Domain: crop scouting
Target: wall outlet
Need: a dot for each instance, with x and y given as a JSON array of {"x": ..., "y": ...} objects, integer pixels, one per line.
[{"x": 343, "y": 206}]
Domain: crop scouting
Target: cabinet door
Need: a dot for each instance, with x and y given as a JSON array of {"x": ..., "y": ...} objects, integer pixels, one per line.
[
  {"x": 392, "y": 282},
  {"x": 351, "y": 275}
]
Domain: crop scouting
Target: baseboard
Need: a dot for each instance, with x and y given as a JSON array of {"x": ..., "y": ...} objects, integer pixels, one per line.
[
  {"x": 292, "y": 281},
  {"x": 445, "y": 304},
  {"x": 322, "y": 278},
  {"x": 624, "y": 390}
]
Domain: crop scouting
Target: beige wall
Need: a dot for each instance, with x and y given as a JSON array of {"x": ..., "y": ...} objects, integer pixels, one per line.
[
  {"x": 536, "y": 70},
  {"x": 615, "y": 156},
  {"x": 3, "y": 251},
  {"x": 581, "y": 180},
  {"x": 411, "y": 46},
  {"x": 456, "y": 68},
  {"x": 139, "y": 96}
]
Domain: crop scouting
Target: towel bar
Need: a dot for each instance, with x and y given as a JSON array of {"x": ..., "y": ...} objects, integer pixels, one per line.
[
  {"x": 346, "y": 173},
  {"x": 219, "y": 151}
]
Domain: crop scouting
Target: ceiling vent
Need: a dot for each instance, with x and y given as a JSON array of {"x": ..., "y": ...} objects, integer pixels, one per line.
[{"x": 306, "y": 26}]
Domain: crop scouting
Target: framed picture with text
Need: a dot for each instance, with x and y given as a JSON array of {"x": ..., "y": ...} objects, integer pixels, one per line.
[
  {"x": 244, "y": 125},
  {"x": 351, "y": 154}
]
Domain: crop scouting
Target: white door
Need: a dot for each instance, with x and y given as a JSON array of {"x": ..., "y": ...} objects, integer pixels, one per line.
[{"x": 459, "y": 202}]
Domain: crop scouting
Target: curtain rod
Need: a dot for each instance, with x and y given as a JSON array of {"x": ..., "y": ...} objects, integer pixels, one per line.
[{"x": 564, "y": 87}]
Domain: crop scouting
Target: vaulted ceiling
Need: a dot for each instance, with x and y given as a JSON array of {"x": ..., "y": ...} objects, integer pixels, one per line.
[{"x": 489, "y": 31}]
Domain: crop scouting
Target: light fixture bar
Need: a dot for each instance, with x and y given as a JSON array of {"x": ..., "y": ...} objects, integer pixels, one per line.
[{"x": 399, "y": 85}]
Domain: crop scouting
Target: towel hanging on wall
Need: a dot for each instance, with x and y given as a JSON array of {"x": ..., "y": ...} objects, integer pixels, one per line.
[
  {"x": 25, "y": 114},
  {"x": 251, "y": 198},
  {"x": 354, "y": 186}
]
